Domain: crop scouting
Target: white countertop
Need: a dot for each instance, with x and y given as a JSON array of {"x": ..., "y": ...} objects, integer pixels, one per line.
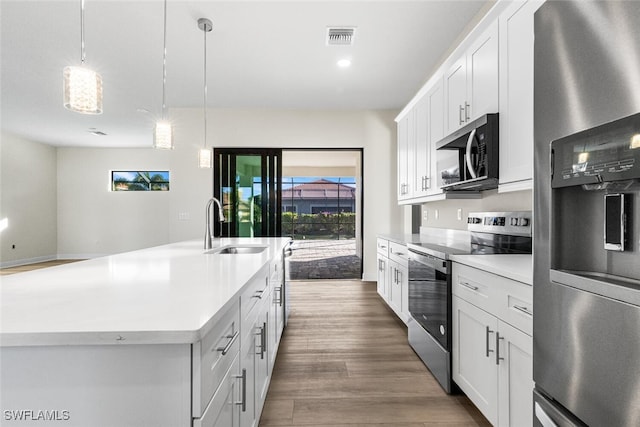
[
  {"x": 515, "y": 267},
  {"x": 166, "y": 294}
]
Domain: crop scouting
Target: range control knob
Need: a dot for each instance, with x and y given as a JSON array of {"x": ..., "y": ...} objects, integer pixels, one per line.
[{"x": 524, "y": 222}]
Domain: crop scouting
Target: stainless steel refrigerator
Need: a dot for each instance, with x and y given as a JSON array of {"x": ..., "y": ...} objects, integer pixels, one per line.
[{"x": 586, "y": 251}]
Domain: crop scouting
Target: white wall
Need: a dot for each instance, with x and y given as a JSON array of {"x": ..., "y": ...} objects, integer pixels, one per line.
[
  {"x": 93, "y": 221},
  {"x": 491, "y": 201},
  {"x": 27, "y": 200}
]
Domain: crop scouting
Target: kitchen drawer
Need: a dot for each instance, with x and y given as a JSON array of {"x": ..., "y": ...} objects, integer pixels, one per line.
[
  {"x": 509, "y": 300},
  {"x": 223, "y": 409},
  {"x": 212, "y": 357},
  {"x": 398, "y": 253},
  {"x": 383, "y": 247},
  {"x": 254, "y": 292}
]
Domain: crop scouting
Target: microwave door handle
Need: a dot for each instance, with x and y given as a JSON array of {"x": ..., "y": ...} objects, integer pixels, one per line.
[{"x": 467, "y": 155}]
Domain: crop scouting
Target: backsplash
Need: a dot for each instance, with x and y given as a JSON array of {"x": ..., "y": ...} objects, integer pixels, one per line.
[{"x": 444, "y": 214}]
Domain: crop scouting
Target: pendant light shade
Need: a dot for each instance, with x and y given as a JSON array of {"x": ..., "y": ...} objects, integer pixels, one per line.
[
  {"x": 82, "y": 86},
  {"x": 82, "y": 90},
  {"x": 163, "y": 132},
  {"x": 163, "y": 135},
  {"x": 205, "y": 156}
]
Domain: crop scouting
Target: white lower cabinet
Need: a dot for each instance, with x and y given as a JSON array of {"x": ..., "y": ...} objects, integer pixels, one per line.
[
  {"x": 492, "y": 359},
  {"x": 393, "y": 276},
  {"x": 399, "y": 290},
  {"x": 224, "y": 410},
  {"x": 383, "y": 263}
]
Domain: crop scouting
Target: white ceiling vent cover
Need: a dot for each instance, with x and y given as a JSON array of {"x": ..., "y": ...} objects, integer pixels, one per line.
[{"x": 340, "y": 36}]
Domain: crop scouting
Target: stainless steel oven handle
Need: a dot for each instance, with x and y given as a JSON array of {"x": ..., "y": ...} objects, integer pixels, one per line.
[
  {"x": 487, "y": 332},
  {"x": 523, "y": 309},
  {"x": 467, "y": 285}
]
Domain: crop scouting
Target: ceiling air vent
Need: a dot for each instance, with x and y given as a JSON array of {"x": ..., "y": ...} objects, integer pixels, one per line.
[{"x": 342, "y": 36}]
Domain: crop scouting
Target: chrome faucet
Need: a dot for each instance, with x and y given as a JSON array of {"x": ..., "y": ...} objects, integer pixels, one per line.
[{"x": 208, "y": 236}]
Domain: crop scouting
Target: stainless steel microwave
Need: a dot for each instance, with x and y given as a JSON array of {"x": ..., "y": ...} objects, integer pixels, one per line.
[{"x": 477, "y": 146}]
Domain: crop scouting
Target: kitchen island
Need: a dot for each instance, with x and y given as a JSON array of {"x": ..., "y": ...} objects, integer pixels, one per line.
[{"x": 148, "y": 337}]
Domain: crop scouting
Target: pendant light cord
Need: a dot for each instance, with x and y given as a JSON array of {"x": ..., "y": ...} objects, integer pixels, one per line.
[
  {"x": 82, "y": 54},
  {"x": 205, "y": 86},
  {"x": 164, "y": 64}
]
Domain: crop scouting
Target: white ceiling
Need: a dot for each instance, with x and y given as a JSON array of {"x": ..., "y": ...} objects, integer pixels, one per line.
[{"x": 261, "y": 54}]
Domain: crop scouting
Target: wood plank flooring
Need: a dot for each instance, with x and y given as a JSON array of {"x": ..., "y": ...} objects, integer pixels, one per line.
[
  {"x": 28, "y": 267},
  {"x": 344, "y": 360}
]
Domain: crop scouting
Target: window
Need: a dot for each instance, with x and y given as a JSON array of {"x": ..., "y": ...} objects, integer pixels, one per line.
[
  {"x": 140, "y": 181},
  {"x": 289, "y": 208}
]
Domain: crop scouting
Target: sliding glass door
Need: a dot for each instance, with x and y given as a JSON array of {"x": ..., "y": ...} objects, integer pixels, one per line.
[{"x": 247, "y": 181}]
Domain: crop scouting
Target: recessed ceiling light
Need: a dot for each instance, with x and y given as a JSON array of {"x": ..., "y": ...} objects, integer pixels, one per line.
[
  {"x": 95, "y": 132},
  {"x": 344, "y": 63}
]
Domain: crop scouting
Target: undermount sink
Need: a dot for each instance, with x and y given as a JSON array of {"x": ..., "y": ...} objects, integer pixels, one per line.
[{"x": 237, "y": 249}]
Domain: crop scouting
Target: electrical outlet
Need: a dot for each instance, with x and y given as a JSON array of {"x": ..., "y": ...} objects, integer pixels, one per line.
[
  {"x": 459, "y": 214},
  {"x": 437, "y": 214},
  {"x": 425, "y": 215},
  {"x": 13, "y": 246}
]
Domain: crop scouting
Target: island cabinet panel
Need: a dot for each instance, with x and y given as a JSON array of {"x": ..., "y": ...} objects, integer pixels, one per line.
[
  {"x": 107, "y": 385},
  {"x": 212, "y": 357},
  {"x": 224, "y": 410}
]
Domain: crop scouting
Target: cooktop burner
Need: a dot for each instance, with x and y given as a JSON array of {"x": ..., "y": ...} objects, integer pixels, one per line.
[{"x": 489, "y": 233}]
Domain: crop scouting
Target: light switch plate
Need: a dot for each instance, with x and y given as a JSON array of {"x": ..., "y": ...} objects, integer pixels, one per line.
[
  {"x": 459, "y": 214},
  {"x": 425, "y": 215}
]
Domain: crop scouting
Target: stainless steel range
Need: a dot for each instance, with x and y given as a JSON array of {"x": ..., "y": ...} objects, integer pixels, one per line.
[{"x": 430, "y": 279}]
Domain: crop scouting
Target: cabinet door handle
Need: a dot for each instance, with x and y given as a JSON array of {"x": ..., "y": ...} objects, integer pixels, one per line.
[
  {"x": 498, "y": 338},
  {"x": 278, "y": 301},
  {"x": 523, "y": 309},
  {"x": 243, "y": 400},
  {"x": 261, "y": 334},
  {"x": 399, "y": 276},
  {"x": 487, "y": 332},
  {"x": 226, "y": 348},
  {"x": 263, "y": 346},
  {"x": 466, "y": 111},
  {"x": 460, "y": 117},
  {"x": 426, "y": 183},
  {"x": 258, "y": 295},
  {"x": 468, "y": 286}
]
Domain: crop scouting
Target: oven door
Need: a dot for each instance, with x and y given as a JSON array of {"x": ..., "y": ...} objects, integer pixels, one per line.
[{"x": 430, "y": 295}]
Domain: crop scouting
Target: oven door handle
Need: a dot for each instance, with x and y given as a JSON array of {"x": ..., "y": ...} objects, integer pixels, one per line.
[{"x": 430, "y": 261}]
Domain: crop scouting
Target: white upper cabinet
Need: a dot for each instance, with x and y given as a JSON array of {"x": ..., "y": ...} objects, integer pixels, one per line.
[
  {"x": 422, "y": 147},
  {"x": 471, "y": 83},
  {"x": 516, "y": 95},
  {"x": 406, "y": 130},
  {"x": 435, "y": 100}
]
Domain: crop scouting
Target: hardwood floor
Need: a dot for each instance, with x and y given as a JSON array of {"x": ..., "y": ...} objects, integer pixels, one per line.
[
  {"x": 28, "y": 267},
  {"x": 344, "y": 360}
]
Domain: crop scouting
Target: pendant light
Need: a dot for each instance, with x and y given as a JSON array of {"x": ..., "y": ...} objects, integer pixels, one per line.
[
  {"x": 82, "y": 86},
  {"x": 163, "y": 132},
  {"x": 205, "y": 156}
]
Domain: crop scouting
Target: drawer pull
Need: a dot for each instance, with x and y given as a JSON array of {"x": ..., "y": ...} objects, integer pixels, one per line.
[
  {"x": 523, "y": 309},
  {"x": 226, "y": 348},
  {"x": 468, "y": 286},
  {"x": 243, "y": 402}
]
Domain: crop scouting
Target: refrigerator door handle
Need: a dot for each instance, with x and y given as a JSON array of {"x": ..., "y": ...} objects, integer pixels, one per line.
[{"x": 542, "y": 416}]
